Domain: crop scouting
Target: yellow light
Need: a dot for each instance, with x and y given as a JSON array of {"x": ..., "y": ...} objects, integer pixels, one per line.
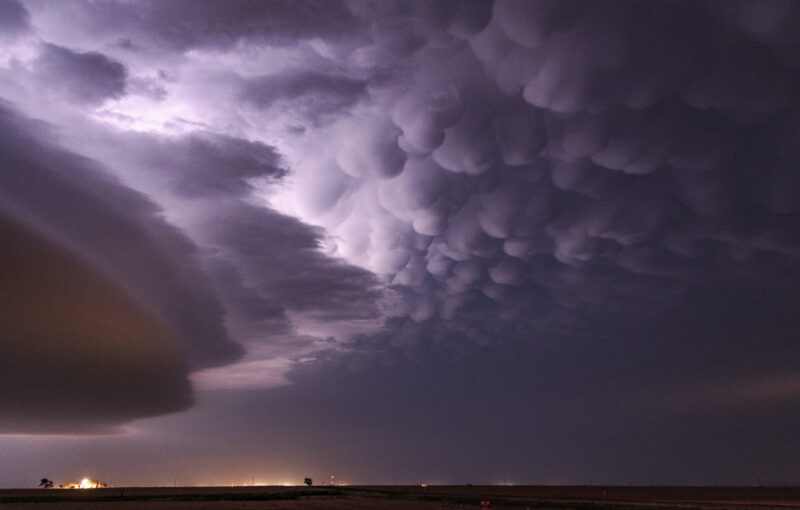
[{"x": 85, "y": 483}]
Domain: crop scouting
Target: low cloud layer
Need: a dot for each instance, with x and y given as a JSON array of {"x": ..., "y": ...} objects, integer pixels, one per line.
[
  {"x": 78, "y": 353},
  {"x": 105, "y": 306}
]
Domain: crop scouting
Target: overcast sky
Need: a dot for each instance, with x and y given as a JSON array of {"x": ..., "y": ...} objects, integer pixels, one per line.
[{"x": 400, "y": 241}]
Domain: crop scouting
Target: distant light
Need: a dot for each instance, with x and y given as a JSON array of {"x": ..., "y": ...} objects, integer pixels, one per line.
[
  {"x": 86, "y": 483},
  {"x": 423, "y": 485}
]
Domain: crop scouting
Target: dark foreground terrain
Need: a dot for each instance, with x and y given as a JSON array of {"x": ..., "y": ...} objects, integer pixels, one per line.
[{"x": 399, "y": 497}]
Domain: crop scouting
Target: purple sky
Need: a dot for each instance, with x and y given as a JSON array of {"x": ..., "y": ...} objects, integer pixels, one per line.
[{"x": 452, "y": 241}]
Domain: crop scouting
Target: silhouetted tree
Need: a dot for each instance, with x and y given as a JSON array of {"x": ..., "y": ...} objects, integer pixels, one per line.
[
  {"x": 45, "y": 483},
  {"x": 307, "y": 481}
]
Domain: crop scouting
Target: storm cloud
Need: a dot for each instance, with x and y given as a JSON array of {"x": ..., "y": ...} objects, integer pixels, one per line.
[
  {"x": 84, "y": 77},
  {"x": 103, "y": 297},
  {"x": 78, "y": 353},
  {"x": 593, "y": 163},
  {"x": 183, "y": 25},
  {"x": 314, "y": 94},
  {"x": 596, "y": 204},
  {"x": 14, "y": 18}
]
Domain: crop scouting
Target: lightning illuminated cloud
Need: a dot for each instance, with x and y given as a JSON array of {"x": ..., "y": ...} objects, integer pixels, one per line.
[{"x": 372, "y": 183}]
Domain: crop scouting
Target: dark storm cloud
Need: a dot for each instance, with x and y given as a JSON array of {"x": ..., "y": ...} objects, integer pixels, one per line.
[
  {"x": 591, "y": 408},
  {"x": 183, "y": 24},
  {"x": 109, "y": 252},
  {"x": 209, "y": 165},
  {"x": 585, "y": 216},
  {"x": 603, "y": 408},
  {"x": 604, "y": 160},
  {"x": 281, "y": 258},
  {"x": 118, "y": 229},
  {"x": 686, "y": 396},
  {"x": 267, "y": 263},
  {"x": 147, "y": 87},
  {"x": 314, "y": 94},
  {"x": 78, "y": 354},
  {"x": 14, "y": 18},
  {"x": 86, "y": 77}
]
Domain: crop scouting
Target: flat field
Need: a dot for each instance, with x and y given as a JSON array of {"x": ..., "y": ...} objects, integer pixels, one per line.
[{"x": 400, "y": 497}]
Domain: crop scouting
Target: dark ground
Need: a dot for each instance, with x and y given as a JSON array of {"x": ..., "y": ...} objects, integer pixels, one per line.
[{"x": 399, "y": 497}]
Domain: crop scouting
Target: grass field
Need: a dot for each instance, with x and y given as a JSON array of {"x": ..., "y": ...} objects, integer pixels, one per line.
[{"x": 400, "y": 497}]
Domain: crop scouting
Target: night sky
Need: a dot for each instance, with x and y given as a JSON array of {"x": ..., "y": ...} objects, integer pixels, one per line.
[{"x": 400, "y": 241}]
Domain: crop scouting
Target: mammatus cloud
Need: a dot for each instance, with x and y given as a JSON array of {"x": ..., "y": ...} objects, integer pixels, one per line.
[
  {"x": 506, "y": 167},
  {"x": 484, "y": 175},
  {"x": 557, "y": 162}
]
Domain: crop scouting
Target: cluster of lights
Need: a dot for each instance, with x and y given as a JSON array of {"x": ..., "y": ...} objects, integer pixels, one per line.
[{"x": 86, "y": 483}]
